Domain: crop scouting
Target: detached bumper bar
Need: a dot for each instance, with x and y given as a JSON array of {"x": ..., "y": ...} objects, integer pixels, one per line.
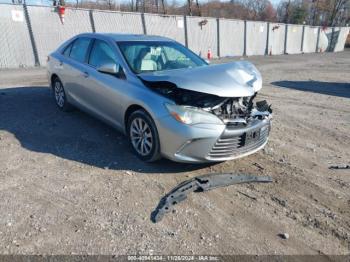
[{"x": 200, "y": 184}]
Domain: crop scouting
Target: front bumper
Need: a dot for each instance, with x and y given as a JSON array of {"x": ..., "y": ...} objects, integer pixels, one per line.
[{"x": 211, "y": 143}]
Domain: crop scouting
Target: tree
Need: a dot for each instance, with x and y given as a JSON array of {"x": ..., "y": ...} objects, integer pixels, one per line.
[
  {"x": 163, "y": 6},
  {"x": 326, "y": 12},
  {"x": 269, "y": 13},
  {"x": 299, "y": 15},
  {"x": 283, "y": 11},
  {"x": 259, "y": 9},
  {"x": 336, "y": 7},
  {"x": 189, "y": 3}
]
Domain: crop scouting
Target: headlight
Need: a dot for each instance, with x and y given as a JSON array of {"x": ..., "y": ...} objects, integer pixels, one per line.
[{"x": 192, "y": 115}]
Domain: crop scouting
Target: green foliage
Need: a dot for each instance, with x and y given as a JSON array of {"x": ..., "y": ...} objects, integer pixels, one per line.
[{"x": 299, "y": 15}]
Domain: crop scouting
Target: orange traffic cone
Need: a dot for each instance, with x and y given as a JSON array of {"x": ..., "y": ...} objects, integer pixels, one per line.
[
  {"x": 61, "y": 13},
  {"x": 209, "y": 55}
]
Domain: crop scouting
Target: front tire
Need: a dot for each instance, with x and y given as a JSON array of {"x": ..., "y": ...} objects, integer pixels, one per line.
[
  {"x": 143, "y": 136},
  {"x": 59, "y": 96}
]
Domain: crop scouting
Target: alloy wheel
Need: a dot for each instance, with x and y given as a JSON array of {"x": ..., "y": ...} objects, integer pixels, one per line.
[
  {"x": 59, "y": 94},
  {"x": 141, "y": 136}
]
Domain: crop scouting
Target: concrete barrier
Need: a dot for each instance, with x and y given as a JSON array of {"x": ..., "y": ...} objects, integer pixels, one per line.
[
  {"x": 276, "y": 39},
  {"x": 49, "y": 32},
  {"x": 231, "y": 34},
  {"x": 15, "y": 45},
  {"x": 169, "y": 26},
  {"x": 256, "y": 38},
  {"x": 310, "y": 39},
  {"x": 202, "y": 35},
  {"x": 117, "y": 22},
  {"x": 294, "y": 38}
]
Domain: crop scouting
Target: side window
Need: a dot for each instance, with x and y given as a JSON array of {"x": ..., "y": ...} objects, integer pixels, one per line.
[
  {"x": 66, "y": 51},
  {"x": 79, "y": 49},
  {"x": 174, "y": 55},
  {"x": 101, "y": 53}
]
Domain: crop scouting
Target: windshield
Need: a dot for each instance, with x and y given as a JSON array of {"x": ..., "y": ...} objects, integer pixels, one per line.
[{"x": 150, "y": 56}]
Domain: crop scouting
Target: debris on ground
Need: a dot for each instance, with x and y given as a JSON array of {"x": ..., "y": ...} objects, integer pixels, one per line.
[
  {"x": 344, "y": 166},
  {"x": 249, "y": 196},
  {"x": 279, "y": 201},
  {"x": 200, "y": 184},
  {"x": 283, "y": 235},
  {"x": 258, "y": 166}
]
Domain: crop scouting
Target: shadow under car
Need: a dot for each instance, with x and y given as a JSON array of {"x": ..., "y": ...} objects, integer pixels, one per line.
[{"x": 30, "y": 114}]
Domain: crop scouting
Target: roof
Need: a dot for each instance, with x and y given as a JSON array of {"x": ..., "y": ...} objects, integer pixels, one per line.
[{"x": 130, "y": 37}]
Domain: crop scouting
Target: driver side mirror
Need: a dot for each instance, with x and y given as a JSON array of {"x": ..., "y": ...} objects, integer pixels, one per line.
[{"x": 112, "y": 69}]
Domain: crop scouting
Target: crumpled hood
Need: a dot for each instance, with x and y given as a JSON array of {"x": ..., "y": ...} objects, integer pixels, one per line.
[{"x": 236, "y": 79}]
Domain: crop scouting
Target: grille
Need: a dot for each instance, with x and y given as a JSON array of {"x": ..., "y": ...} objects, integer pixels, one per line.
[{"x": 237, "y": 145}]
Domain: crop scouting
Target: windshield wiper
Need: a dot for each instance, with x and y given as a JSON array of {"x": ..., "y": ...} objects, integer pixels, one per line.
[{"x": 200, "y": 184}]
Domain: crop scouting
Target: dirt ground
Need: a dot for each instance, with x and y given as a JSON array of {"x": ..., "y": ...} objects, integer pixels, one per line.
[{"x": 70, "y": 185}]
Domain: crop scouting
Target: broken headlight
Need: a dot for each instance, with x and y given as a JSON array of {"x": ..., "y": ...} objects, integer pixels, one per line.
[{"x": 192, "y": 115}]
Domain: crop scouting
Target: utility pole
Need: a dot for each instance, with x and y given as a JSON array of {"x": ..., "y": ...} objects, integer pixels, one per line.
[
  {"x": 286, "y": 16},
  {"x": 189, "y": 7},
  {"x": 199, "y": 9},
  {"x": 157, "y": 6},
  {"x": 163, "y": 6},
  {"x": 315, "y": 12}
]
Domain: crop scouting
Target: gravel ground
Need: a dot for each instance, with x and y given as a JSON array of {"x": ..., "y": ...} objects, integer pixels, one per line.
[{"x": 70, "y": 185}]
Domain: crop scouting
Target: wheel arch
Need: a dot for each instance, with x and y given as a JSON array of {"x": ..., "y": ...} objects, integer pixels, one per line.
[
  {"x": 132, "y": 108},
  {"x": 157, "y": 147},
  {"x": 52, "y": 78}
]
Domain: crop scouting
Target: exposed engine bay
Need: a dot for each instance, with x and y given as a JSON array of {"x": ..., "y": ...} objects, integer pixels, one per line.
[{"x": 229, "y": 109}]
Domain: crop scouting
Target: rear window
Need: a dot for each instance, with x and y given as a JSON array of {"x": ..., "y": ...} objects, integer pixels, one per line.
[
  {"x": 79, "y": 49},
  {"x": 66, "y": 51}
]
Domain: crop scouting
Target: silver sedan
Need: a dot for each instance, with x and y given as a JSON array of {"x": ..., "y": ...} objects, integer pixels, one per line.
[{"x": 166, "y": 99}]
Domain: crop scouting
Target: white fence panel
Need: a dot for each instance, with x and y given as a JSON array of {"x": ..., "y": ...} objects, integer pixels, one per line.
[
  {"x": 323, "y": 42},
  {"x": 342, "y": 35},
  {"x": 256, "y": 38},
  {"x": 15, "y": 46},
  {"x": 310, "y": 39},
  {"x": 276, "y": 39},
  {"x": 48, "y": 30},
  {"x": 231, "y": 37},
  {"x": 169, "y": 26},
  {"x": 294, "y": 37},
  {"x": 202, "y": 35},
  {"x": 117, "y": 22}
]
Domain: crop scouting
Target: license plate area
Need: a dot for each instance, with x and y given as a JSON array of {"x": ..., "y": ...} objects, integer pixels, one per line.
[{"x": 252, "y": 136}]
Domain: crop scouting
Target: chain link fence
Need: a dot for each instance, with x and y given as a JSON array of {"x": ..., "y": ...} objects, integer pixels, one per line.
[{"x": 29, "y": 33}]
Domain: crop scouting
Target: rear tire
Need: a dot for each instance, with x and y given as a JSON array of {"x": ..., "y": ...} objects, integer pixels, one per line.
[
  {"x": 59, "y": 96},
  {"x": 143, "y": 136}
]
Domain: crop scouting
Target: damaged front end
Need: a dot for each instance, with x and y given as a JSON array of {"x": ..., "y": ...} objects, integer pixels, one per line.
[
  {"x": 229, "y": 100},
  {"x": 231, "y": 110}
]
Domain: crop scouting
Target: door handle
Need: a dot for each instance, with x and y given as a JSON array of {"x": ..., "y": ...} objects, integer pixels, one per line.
[
  {"x": 86, "y": 74},
  {"x": 61, "y": 63}
]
